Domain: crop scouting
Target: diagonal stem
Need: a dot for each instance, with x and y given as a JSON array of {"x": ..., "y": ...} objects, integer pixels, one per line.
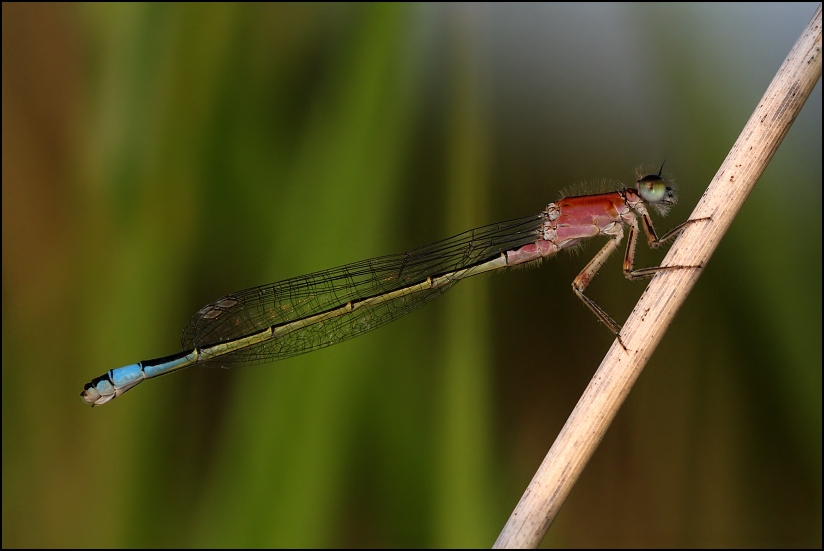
[{"x": 667, "y": 291}]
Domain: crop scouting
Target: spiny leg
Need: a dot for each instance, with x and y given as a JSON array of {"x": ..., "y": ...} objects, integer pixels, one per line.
[
  {"x": 654, "y": 242},
  {"x": 582, "y": 281},
  {"x": 584, "y": 278}
]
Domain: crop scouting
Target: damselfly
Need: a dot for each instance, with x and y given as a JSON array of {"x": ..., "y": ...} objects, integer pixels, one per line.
[{"x": 305, "y": 313}]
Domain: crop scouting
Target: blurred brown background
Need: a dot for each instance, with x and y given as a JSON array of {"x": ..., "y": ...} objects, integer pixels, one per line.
[{"x": 156, "y": 157}]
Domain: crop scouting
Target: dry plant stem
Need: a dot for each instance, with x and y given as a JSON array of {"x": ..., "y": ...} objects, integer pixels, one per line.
[{"x": 667, "y": 291}]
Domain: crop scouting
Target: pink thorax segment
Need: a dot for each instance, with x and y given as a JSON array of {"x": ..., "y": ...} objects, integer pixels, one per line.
[{"x": 573, "y": 219}]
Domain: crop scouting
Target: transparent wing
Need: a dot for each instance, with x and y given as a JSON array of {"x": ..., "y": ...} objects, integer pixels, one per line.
[{"x": 252, "y": 310}]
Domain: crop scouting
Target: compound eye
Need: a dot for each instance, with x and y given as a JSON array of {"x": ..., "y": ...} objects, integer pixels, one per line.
[{"x": 653, "y": 189}]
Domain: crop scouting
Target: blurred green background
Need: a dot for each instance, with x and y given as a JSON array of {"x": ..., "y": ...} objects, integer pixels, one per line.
[{"x": 156, "y": 157}]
